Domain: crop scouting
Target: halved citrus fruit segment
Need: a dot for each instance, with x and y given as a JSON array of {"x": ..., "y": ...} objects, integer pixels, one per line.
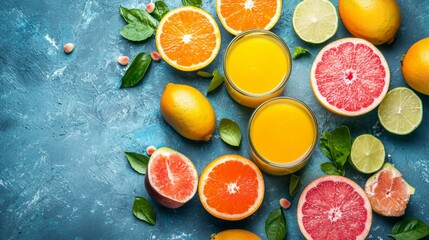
[
  {"x": 350, "y": 76},
  {"x": 388, "y": 192},
  {"x": 231, "y": 187},
  {"x": 401, "y": 111},
  {"x": 367, "y": 154},
  {"x": 238, "y": 16},
  {"x": 315, "y": 21},
  {"x": 188, "y": 38},
  {"x": 334, "y": 207},
  {"x": 171, "y": 178}
]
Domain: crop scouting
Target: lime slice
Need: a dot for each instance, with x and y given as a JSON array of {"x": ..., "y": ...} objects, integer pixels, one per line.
[
  {"x": 315, "y": 21},
  {"x": 367, "y": 154},
  {"x": 401, "y": 111}
]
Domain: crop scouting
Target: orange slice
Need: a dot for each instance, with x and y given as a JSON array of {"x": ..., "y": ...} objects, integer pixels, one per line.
[
  {"x": 241, "y": 15},
  {"x": 188, "y": 38},
  {"x": 231, "y": 187}
]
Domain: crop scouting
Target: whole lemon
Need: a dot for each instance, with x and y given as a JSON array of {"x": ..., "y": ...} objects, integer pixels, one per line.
[
  {"x": 376, "y": 21},
  {"x": 234, "y": 234},
  {"x": 415, "y": 66},
  {"x": 188, "y": 112}
]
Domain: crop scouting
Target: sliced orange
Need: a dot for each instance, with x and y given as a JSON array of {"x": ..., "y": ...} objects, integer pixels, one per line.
[
  {"x": 188, "y": 38},
  {"x": 231, "y": 187},
  {"x": 238, "y": 16}
]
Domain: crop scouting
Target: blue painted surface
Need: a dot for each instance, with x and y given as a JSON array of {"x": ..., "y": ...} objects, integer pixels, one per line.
[{"x": 64, "y": 125}]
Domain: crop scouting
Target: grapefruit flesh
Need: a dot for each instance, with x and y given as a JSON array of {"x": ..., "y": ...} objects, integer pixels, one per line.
[
  {"x": 388, "y": 192},
  {"x": 334, "y": 207},
  {"x": 350, "y": 77},
  {"x": 171, "y": 178}
]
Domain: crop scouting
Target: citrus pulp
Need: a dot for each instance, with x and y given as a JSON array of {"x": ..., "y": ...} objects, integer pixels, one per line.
[
  {"x": 367, "y": 154},
  {"x": 234, "y": 234}
]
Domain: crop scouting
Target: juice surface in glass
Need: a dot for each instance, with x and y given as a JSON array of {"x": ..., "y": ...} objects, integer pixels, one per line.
[
  {"x": 282, "y": 135},
  {"x": 257, "y": 66}
]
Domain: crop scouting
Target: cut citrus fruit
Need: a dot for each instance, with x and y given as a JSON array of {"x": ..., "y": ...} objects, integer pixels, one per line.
[
  {"x": 171, "y": 178},
  {"x": 315, "y": 21},
  {"x": 238, "y": 16},
  {"x": 334, "y": 207},
  {"x": 231, "y": 187},
  {"x": 188, "y": 38},
  {"x": 388, "y": 192},
  {"x": 350, "y": 76},
  {"x": 234, "y": 234},
  {"x": 401, "y": 111},
  {"x": 367, "y": 154}
]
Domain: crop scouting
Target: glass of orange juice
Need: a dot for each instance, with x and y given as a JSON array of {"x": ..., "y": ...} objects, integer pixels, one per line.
[
  {"x": 257, "y": 65},
  {"x": 282, "y": 134}
]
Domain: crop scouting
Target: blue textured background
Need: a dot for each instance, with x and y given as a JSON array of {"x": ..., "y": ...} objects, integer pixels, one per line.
[{"x": 64, "y": 125}]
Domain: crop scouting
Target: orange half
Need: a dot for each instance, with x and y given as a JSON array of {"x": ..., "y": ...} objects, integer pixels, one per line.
[
  {"x": 231, "y": 187},
  {"x": 188, "y": 38},
  {"x": 238, "y": 16}
]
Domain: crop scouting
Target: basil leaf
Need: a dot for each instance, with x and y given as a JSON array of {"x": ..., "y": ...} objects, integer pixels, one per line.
[
  {"x": 330, "y": 169},
  {"x": 340, "y": 144},
  {"x": 230, "y": 132},
  {"x": 136, "y": 32},
  {"x": 195, "y": 3},
  {"x": 136, "y": 71},
  {"x": 137, "y": 161},
  {"x": 160, "y": 10},
  {"x": 295, "y": 182},
  {"x": 275, "y": 225},
  {"x": 204, "y": 74},
  {"x": 143, "y": 210},
  {"x": 138, "y": 16},
  {"x": 298, "y": 51},
  {"x": 324, "y": 145},
  {"x": 409, "y": 229},
  {"x": 216, "y": 81}
]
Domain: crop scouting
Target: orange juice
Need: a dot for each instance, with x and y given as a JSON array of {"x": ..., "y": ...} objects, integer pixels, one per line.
[
  {"x": 257, "y": 65},
  {"x": 282, "y": 135}
]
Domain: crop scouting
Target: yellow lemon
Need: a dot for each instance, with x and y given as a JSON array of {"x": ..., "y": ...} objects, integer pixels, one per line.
[
  {"x": 373, "y": 20},
  {"x": 234, "y": 234},
  {"x": 415, "y": 66},
  {"x": 188, "y": 112}
]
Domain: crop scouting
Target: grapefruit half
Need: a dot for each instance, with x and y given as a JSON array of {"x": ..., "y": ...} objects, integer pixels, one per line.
[
  {"x": 171, "y": 178},
  {"x": 334, "y": 207},
  {"x": 350, "y": 77}
]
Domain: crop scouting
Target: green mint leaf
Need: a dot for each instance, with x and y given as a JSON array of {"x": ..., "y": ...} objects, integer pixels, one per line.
[
  {"x": 230, "y": 132},
  {"x": 204, "y": 74},
  {"x": 298, "y": 51},
  {"x": 410, "y": 229},
  {"x": 275, "y": 225},
  {"x": 138, "y": 16},
  {"x": 137, "y": 70},
  {"x": 324, "y": 145},
  {"x": 295, "y": 182},
  {"x": 195, "y": 3},
  {"x": 143, "y": 210},
  {"x": 341, "y": 144},
  {"x": 136, "y": 32},
  {"x": 160, "y": 10},
  {"x": 137, "y": 161},
  {"x": 330, "y": 169},
  {"x": 216, "y": 81}
]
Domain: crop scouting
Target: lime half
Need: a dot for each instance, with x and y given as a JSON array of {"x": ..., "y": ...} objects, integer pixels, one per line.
[
  {"x": 367, "y": 154},
  {"x": 401, "y": 111},
  {"x": 315, "y": 21}
]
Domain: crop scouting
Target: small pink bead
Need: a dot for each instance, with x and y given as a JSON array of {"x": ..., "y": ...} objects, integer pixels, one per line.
[
  {"x": 150, "y": 150},
  {"x": 284, "y": 203},
  {"x": 150, "y": 7},
  {"x": 155, "y": 56},
  {"x": 68, "y": 48},
  {"x": 123, "y": 60}
]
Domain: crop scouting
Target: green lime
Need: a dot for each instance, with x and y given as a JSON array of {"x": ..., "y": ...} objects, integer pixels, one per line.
[
  {"x": 367, "y": 154},
  {"x": 401, "y": 111},
  {"x": 315, "y": 21}
]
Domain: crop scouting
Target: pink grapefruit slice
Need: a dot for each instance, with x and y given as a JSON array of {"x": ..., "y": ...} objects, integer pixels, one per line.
[
  {"x": 171, "y": 178},
  {"x": 334, "y": 207},
  {"x": 350, "y": 77},
  {"x": 388, "y": 192}
]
